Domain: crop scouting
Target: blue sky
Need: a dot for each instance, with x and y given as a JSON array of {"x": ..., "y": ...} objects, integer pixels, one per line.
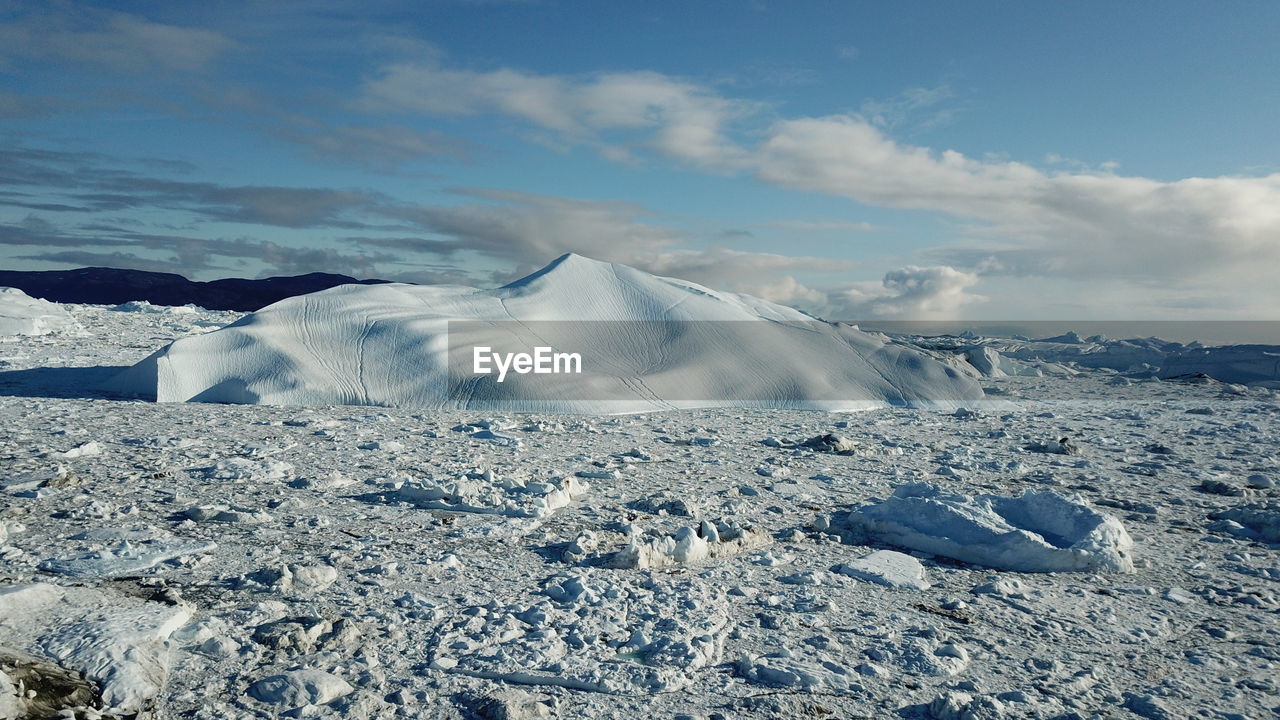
[{"x": 987, "y": 160}]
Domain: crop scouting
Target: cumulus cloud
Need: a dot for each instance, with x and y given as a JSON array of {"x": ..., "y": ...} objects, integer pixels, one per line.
[
  {"x": 1081, "y": 225},
  {"x": 911, "y": 293},
  {"x": 1069, "y": 222}
]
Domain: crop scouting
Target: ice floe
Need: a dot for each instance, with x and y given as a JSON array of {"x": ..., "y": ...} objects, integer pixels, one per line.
[{"x": 1037, "y": 532}]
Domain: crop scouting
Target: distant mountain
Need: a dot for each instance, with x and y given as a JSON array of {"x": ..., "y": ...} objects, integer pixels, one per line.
[{"x": 112, "y": 286}]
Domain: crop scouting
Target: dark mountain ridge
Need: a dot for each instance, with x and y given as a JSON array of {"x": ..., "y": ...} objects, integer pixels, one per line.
[{"x": 112, "y": 286}]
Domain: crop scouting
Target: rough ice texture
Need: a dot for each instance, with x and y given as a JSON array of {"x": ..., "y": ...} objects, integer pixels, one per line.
[
  {"x": 1038, "y": 532},
  {"x": 116, "y": 642},
  {"x": 1261, "y": 519},
  {"x": 21, "y": 314},
  {"x": 388, "y": 345},
  {"x": 1249, "y": 364},
  {"x": 990, "y": 363},
  {"x": 589, "y": 636}
]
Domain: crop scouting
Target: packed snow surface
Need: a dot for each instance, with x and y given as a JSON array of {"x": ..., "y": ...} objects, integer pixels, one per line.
[
  {"x": 21, "y": 314},
  {"x": 651, "y": 343}
]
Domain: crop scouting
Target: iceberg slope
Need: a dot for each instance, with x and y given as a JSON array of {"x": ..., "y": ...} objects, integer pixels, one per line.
[{"x": 649, "y": 342}]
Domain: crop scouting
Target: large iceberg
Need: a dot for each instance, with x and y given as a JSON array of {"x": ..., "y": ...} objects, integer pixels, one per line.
[{"x": 647, "y": 343}]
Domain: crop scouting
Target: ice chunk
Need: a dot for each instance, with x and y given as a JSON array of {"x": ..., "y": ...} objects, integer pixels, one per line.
[
  {"x": 647, "y": 343},
  {"x": 1038, "y": 532},
  {"x": 301, "y": 687},
  {"x": 21, "y": 314},
  {"x": 513, "y": 497},
  {"x": 887, "y": 567},
  {"x": 1261, "y": 519}
]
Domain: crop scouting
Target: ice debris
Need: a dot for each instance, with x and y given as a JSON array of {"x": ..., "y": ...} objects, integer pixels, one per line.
[
  {"x": 588, "y": 635},
  {"x": 1257, "y": 520},
  {"x": 128, "y": 557},
  {"x": 513, "y": 497},
  {"x": 689, "y": 546}
]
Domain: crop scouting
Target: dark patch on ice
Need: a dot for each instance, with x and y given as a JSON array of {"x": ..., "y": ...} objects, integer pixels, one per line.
[{"x": 55, "y": 687}]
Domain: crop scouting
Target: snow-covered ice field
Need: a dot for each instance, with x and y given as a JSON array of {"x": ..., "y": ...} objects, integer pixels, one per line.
[{"x": 214, "y": 561}]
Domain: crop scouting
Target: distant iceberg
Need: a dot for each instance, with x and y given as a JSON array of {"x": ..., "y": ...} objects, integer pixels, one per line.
[{"x": 21, "y": 314}]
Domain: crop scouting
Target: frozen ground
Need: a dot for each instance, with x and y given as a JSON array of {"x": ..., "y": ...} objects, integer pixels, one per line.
[{"x": 212, "y": 561}]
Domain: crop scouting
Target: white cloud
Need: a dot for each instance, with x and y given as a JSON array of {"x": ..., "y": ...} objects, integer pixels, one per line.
[
  {"x": 766, "y": 275},
  {"x": 1076, "y": 223},
  {"x": 530, "y": 229},
  {"x": 910, "y": 293}
]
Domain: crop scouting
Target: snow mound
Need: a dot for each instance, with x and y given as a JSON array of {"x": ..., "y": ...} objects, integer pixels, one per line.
[
  {"x": 116, "y": 642},
  {"x": 21, "y": 314},
  {"x": 648, "y": 343},
  {"x": 295, "y": 688},
  {"x": 1038, "y": 532}
]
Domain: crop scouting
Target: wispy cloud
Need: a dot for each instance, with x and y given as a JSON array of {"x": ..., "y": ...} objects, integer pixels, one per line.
[
  {"x": 823, "y": 225},
  {"x": 106, "y": 40},
  {"x": 675, "y": 117}
]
